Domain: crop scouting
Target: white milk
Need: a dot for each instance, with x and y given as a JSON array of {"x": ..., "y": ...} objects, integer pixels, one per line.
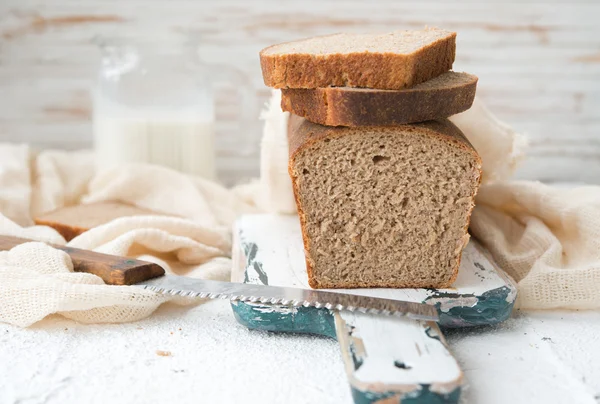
[{"x": 178, "y": 138}]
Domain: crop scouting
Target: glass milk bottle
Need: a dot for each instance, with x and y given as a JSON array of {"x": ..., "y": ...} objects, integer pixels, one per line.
[{"x": 156, "y": 106}]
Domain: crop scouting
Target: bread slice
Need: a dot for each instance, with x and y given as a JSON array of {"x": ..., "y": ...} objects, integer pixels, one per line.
[
  {"x": 440, "y": 97},
  {"x": 71, "y": 221},
  {"x": 383, "y": 206},
  {"x": 390, "y": 61}
]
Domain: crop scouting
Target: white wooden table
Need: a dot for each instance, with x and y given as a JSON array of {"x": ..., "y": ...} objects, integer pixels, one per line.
[{"x": 202, "y": 354}]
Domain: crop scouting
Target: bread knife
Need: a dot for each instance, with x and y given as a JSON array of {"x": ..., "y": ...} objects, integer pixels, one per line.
[{"x": 116, "y": 270}]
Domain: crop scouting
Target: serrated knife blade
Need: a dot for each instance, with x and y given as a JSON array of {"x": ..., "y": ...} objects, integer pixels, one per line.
[
  {"x": 286, "y": 296},
  {"x": 116, "y": 270}
]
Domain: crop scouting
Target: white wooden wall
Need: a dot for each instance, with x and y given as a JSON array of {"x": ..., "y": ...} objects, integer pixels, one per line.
[{"x": 538, "y": 63}]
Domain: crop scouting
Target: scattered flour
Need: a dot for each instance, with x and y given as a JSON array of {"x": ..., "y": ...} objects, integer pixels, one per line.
[
  {"x": 534, "y": 357},
  {"x": 212, "y": 359}
]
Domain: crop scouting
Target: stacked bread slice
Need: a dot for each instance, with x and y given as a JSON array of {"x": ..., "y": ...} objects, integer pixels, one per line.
[{"x": 384, "y": 183}]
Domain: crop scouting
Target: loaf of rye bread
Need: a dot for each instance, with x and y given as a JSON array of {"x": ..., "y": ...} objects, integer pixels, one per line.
[
  {"x": 382, "y": 206},
  {"x": 390, "y": 61},
  {"x": 440, "y": 97}
]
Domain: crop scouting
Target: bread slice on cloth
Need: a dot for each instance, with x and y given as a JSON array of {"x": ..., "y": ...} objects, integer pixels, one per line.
[
  {"x": 71, "y": 221},
  {"x": 441, "y": 97},
  {"x": 390, "y": 61},
  {"x": 383, "y": 206}
]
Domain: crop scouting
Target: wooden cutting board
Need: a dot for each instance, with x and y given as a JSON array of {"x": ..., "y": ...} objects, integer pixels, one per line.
[{"x": 385, "y": 358}]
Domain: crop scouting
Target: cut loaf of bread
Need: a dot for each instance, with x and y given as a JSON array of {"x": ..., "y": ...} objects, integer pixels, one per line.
[
  {"x": 390, "y": 61},
  {"x": 440, "y": 97},
  {"x": 383, "y": 206},
  {"x": 71, "y": 221}
]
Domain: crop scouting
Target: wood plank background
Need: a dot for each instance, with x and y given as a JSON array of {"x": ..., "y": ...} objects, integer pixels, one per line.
[{"x": 539, "y": 64}]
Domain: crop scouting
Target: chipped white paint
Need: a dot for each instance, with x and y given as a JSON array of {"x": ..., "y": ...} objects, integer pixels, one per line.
[
  {"x": 280, "y": 239},
  {"x": 537, "y": 64},
  {"x": 274, "y": 309},
  {"x": 446, "y": 304},
  {"x": 397, "y": 354},
  {"x": 240, "y": 271},
  {"x": 503, "y": 275}
]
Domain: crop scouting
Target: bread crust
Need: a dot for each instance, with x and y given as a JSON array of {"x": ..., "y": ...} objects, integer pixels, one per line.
[
  {"x": 441, "y": 97},
  {"x": 68, "y": 232},
  {"x": 303, "y": 133},
  {"x": 384, "y": 70}
]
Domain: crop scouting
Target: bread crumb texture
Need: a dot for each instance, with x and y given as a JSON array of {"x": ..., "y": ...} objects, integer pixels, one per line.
[{"x": 384, "y": 207}]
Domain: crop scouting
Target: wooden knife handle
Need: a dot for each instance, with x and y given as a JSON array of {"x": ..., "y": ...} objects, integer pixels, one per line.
[{"x": 112, "y": 269}]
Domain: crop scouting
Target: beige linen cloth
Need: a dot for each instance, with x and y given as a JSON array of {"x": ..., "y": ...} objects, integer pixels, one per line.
[
  {"x": 547, "y": 239},
  {"x": 36, "y": 280}
]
